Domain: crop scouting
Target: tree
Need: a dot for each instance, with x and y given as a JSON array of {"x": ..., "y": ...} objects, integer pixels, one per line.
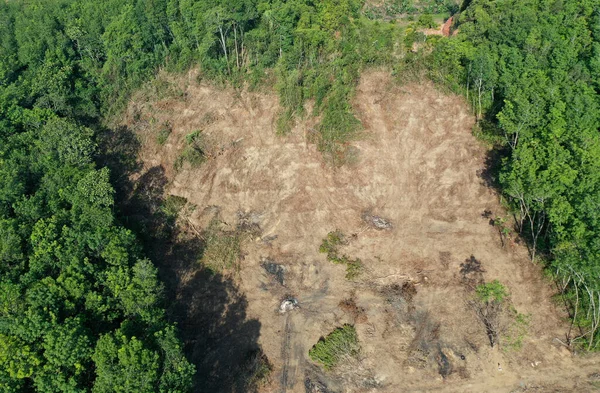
[
  {"x": 539, "y": 59},
  {"x": 124, "y": 365},
  {"x": 489, "y": 304},
  {"x": 73, "y": 281}
]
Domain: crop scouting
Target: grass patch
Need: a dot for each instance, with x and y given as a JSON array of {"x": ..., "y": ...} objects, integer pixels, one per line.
[
  {"x": 339, "y": 344},
  {"x": 285, "y": 122},
  {"x": 194, "y": 152},
  {"x": 222, "y": 249},
  {"x": 516, "y": 332},
  {"x": 330, "y": 246},
  {"x": 338, "y": 126},
  {"x": 172, "y": 205},
  {"x": 256, "y": 370},
  {"x": 163, "y": 134},
  {"x": 326, "y": 73},
  {"x": 426, "y": 21}
]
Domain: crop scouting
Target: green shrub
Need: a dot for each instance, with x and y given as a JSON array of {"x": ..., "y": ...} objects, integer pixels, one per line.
[
  {"x": 492, "y": 292},
  {"x": 330, "y": 246},
  {"x": 426, "y": 21},
  {"x": 339, "y": 344},
  {"x": 195, "y": 151},
  {"x": 163, "y": 134},
  {"x": 256, "y": 371},
  {"x": 513, "y": 338},
  {"x": 353, "y": 268},
  {"x": 222, "y": 248},
  {"x": 501, "y": 320},
  {"x": 172, "y": 205},
  {"x": 414, "y": 36}
]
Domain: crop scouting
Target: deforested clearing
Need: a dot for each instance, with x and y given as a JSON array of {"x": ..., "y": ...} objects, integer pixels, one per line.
[{"x": 415, "y": 166}]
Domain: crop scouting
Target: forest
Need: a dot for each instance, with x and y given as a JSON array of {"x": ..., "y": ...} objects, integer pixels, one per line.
[
  {"x": 531, "y": 73},
  {"x": 81, "y": 305}
]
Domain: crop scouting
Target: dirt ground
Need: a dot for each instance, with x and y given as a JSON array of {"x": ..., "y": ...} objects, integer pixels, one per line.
[{"x": 420, "y": 167}]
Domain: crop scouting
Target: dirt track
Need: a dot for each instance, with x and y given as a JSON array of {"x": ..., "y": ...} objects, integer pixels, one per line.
[{"x": 420, "y": 167}]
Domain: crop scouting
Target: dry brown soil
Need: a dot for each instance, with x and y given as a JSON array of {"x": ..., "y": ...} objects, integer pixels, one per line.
[{"x": 420, "y": 167}]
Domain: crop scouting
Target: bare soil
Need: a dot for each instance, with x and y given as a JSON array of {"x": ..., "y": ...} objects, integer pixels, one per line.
[{"x": 418, "y": 167}]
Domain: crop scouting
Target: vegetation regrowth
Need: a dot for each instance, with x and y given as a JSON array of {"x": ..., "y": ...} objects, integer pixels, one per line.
[{"x": 340, "y": 344}]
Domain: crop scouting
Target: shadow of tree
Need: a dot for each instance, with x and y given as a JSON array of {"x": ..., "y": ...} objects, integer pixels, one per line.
[
  {"x": 119, "y": 149},
  {"x": 471, "y": 272},
  {"x": 491, "y": 170},
  {"x": 208, "y": 308},
  {"x": 219, "y": 338}
]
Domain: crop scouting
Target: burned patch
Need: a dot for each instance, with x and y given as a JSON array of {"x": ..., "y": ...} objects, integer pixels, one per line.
[
  {"x": 444, "y": 364},
  {"x": 350, "y": 307},
  {"x": 376, "y": 222},
  {"x": 314, "y": 386},
  {"x": 471, "y": 272},
  {"x": 249, "y": 222},
  {"x": 408, "y": 291},
  {"x": 426, "y": 337},
  {"x": 400, "y": 299},
  {"x": 276, "y": 270}
]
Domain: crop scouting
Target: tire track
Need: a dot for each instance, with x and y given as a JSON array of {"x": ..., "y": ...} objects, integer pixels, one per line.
[{"x": 285, "y": 352}]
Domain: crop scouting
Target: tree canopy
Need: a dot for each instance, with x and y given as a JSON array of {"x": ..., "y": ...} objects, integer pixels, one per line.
[
  {"x": 81, "y": 308},
  {"x": 531, "y": 71}
]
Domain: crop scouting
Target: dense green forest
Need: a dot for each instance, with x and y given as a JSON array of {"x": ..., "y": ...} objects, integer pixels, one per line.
[
  {"x": 82, "y": 308},
  {"x": 531, "y": 71}
]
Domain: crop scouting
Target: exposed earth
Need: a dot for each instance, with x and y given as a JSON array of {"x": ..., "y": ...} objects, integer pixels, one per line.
[{"x": 416, "y": 165}]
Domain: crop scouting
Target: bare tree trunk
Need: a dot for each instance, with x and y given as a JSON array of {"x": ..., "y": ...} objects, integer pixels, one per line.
[
  {"x": 224, "y": 44},
  {"x": 522, "y": 214},
  {"x": 575, "y": 311},
  {"x": 468, "y": 80},
  {"x": 243, "y": 50},
  {"x": 280, "y": 45},
  {"x": 536, "y": 229},
  {"x": 593, "y": 314},
  {"x": 479, "y": 84},
  {"x": 237, "y": 54},
  {"x": 479, "y": 97}
]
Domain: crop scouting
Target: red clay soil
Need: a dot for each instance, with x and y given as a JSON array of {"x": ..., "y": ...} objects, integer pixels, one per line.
[{"x": 446, "y": 27}]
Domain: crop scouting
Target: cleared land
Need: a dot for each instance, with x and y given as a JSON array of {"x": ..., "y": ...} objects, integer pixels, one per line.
[{"x": 417, "y": 165}]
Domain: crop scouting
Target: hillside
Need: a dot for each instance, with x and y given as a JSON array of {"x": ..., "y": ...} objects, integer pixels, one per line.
[
  {"x": 299, "y": 196},
  {"x": 417, "y": 165}
]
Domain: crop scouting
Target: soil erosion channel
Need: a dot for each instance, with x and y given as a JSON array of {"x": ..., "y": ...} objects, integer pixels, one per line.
[{"x": 417, "y": 165}]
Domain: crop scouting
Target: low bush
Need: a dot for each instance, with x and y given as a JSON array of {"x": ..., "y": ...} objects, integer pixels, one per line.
[
  {"x": 222, "y": 248},
  {"x": 426, "y": 21},
  {"x": 338, "y": 345},
  {"x": 330, "y": 246},
  {"x": 501, "y": 320},
  {"x": 257, "y": 370},
  {"x": 194, "y": 152},
  {"x": 163, "y": 134}
]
